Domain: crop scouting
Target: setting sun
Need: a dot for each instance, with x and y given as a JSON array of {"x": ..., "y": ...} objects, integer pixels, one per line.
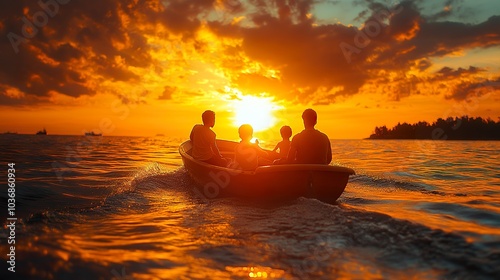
[{"x": 254, "y": 110}]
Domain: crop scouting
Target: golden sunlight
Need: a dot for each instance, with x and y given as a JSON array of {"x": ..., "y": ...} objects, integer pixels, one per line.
[{"x": 254, "y": 110}]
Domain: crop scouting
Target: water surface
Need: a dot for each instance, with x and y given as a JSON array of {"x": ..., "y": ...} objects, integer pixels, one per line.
[{"x": 124, "y": 208}]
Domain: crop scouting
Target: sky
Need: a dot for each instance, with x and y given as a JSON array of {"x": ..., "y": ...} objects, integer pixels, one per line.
[{"x": 143, "y": 68}]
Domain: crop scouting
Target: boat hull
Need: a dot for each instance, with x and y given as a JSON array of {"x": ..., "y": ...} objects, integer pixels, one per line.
[{"x": 272, "y": 182}]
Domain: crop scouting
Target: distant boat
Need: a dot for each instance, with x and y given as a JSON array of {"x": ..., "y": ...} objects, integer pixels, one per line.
[
  {"x": 160, "y": 135},
  {"x": 9, "y": 132},
  {"x": 42, "y": 132},
  {"x": 92, "y": 134}
]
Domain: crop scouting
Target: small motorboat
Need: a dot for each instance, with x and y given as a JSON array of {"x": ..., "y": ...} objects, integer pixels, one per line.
[{"x": 270, "y": 182}]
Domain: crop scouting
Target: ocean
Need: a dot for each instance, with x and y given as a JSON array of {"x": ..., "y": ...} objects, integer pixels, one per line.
[{"x": 124, "y": 208}]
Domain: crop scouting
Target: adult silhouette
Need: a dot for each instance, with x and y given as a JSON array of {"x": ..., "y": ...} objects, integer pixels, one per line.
[
  {"x": 310, "y": 146},
  {"x": 203, "y": 139}
]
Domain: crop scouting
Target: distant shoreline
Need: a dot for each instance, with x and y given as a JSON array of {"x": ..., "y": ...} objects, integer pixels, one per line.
[{"x": 459, "y": 128}]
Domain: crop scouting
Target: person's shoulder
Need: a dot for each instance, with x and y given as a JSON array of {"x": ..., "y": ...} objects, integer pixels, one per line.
[
  {"x": 197, "y": 126},
  {"x": 299, "y": 135},
  {"x": 238, "y": 146},
  {"x": 205, "y": 128},
  {"x": 319, "y": 132},
  {"x": 211, "y": 132},
  {"x": 323, "y": 135}
]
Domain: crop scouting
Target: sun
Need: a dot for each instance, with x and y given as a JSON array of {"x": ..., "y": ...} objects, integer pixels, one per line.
[{"x": 254, "y": 110}]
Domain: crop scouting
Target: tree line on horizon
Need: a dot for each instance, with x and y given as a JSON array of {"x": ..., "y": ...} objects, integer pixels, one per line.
[{"x": 458, "y": 128}]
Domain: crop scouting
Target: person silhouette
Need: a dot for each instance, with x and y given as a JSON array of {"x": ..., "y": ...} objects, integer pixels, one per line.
[
  {"x": 203, "y": 140},
  {"x": 284, "y": 145},
  {"x": 310, "y": 146},
  {"x": 247, "y": 154}
]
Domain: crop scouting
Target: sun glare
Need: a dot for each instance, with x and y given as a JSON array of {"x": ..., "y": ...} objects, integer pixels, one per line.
[{"x": 254, "y": 110}]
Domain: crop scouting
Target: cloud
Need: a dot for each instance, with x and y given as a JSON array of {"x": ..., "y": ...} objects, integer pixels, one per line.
[
  {"x": 133, "y": 97},
  {"x": 167, "y": 93},
  {"x": 78, "y": 46},
  {"x": 449, "y": 7},
  {"x": 449, "y": 73},
  {"x": 310, "y": 61},
  {"x": 467, "y": 90},
  {"x": 181, "y": 17},
  {"x": 278, "y": 47}
]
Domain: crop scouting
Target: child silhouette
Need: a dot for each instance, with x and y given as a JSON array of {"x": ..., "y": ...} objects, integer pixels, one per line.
[
  {"x": 284, "y": 145},
  {"x": 246, "y": 156}
]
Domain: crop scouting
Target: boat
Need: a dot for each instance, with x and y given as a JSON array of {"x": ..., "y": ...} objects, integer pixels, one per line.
[
  {"x": 42, "y": 132},
  {"x": 270, "y": 182},
  {"x": 92, "y": 134}
]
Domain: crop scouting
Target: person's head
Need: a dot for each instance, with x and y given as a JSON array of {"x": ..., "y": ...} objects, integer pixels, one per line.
[
  {"x": 310, "y": 118},
  {"x": 246, "y": 132},
  {"x": 286, "y": 132},
  {"x": 208, "y": 118}
]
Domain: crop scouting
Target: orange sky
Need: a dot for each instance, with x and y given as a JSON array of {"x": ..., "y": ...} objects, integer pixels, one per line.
[{"x": 153, "y": 67}]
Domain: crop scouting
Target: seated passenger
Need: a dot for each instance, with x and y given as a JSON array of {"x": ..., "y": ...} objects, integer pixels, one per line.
[
  {"x": 284, "y": 145},
  {"x": 310, "y": 146},
  {"x": 246, "y": 156},
  {"x": 203, "y": 139}
]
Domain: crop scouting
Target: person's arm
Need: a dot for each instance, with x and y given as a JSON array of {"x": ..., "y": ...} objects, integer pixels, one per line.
[
  {"x": 292, "y": 152},
  {"x": 261, "y": 152},
  {"x": 213, "y": 146},
  {"x": 277, "y": 146},
  {"x": 329, "y": 153}
]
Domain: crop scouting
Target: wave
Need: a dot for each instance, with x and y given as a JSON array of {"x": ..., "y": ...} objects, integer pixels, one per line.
[
  {"x": 397, "y": 183},
  {"x": 306, "y": 236},
  {"x": 147, "y": 181}
]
